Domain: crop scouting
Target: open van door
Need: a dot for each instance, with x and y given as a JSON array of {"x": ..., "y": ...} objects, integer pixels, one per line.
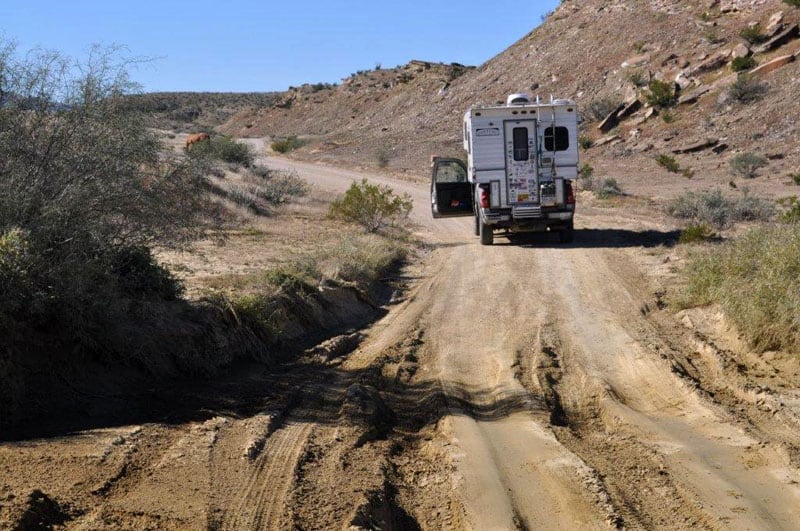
[{"x": 451, "y": 191}]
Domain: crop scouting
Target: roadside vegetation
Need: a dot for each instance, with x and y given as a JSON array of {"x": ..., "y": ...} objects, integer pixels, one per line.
[
  {"x": 754, "y": 279},
  {"x": 373, "y": 206},
  {"x": 720, "y": 211},
  {"x": 91, "y": 197}
]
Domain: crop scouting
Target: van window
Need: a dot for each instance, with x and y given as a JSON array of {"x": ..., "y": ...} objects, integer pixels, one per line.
[
  {"x": 520, "y": 143},
  {"x": 558, "y": 141}
]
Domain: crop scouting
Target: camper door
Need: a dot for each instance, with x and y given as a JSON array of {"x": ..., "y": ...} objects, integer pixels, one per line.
[
  {"x": 520, "y": 147},
  {"x": 451, "y": 191}
]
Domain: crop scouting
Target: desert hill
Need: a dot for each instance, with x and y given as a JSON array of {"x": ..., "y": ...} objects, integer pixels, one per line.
[{"x": 599, "y": 53}]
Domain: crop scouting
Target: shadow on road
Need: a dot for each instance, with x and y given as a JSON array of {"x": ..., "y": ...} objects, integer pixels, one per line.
[{"x": 597, "y": 238}]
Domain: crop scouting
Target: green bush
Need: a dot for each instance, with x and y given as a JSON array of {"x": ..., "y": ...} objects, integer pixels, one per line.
[
  {"x": 668, "y": 162},
  {"x": 600, "y": 108},
  {"x": 280, "y": 187},
  {"x": 795, "y": 177},
  {"x": 607, "y": 188},
  {"x": 794, "y": 3},
  {"x": 286, "y": 145},
  {"x": 223, "y": 148},
  {"x": 743, "y": 63},
  {"x": 585, "y": 141},
  {"x": 372, "y": 206},
  {"x": 753, "y": 34},
  {"x": 700, "y": 232},
  {"x": 747, "y": 89},
  {"x": 140, "y": 276},
  {"x": 755, "y": 281},
  {"x": 714, "y": 208},
  {"x": 746, "y": 164},
  {"x": 661, "y": 94},
  {"x": 382, "y": 156},
  {"x": 791, "y": 212}
]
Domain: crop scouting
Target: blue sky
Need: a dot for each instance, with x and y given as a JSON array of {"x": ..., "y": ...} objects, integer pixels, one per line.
[{"x": 244, "y": 46}]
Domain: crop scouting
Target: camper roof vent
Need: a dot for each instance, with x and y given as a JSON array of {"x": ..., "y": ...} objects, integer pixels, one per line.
[{"x": 518, "y": 99}]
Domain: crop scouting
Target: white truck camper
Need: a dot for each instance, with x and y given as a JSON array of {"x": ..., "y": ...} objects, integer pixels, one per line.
[{"x": 522, "y": 162}]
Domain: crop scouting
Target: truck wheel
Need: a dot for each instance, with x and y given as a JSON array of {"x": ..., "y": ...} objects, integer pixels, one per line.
[
  {"x": 566, "y": 235},
  {"x": 486, "y": 233}
]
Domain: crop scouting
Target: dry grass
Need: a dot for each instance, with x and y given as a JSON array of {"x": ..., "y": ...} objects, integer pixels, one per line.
[{"x": 756, "y": 281}]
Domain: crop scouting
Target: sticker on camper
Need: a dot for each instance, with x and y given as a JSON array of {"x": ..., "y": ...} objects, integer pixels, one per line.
[{"x": 488, "y": 131}]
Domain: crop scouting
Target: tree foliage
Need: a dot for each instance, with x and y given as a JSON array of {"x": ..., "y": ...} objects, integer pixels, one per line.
[{"x": 84, "y": 187}]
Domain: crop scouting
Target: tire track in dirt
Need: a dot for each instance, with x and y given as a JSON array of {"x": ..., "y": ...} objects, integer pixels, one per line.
[
  {"x": 637, "y": 396},
  {"x": 261, "y": 504}
]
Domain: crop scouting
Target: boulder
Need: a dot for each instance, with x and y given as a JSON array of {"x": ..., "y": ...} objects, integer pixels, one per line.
[
  {"x": 775, "y": 24},
  {"x": 780, "y": 39},
  {"x": 636, "y": 60},
  {"x": 606, "y": 140},
  {"x": 611, "y": 120},
  {"x": 714, "y": 62},
  {"x": 682, "y": 81},
  {"x": 693, "y": 96},
  {"x": 629, "y": 109},
  {"x": 739, "y": 51},
  {"x": 694, "y": 147},
  {"x": 773, "y": 65}
]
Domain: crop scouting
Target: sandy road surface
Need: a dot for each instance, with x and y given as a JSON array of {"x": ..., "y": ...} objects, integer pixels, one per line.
[
  {"x": 532, "y": 386},
  {"x": 485, "y": 307}
]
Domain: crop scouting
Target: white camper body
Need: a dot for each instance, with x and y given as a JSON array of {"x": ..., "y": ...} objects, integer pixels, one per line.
[{"x": 522, "y": 159}]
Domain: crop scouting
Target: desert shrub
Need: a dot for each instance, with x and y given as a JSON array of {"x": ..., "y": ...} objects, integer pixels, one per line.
[
  {"x": 661, "y": 94},
  {"x": 286, "y": 145},
  {"x": 382, "y": 156},
  {"x": 791, "y": 209},
  {"x": 585, "y": 141},
  {"x": 754, "y": 280},
  {"x": 585, "y": 173},
  {"x": 260, "y": 171},
  {"x": 714, "y": 208},
  {"x": 607, "y": 188},
  {"x": 223, "y": 148},
  {"x": 743, "y": 63},
  {"x": 668, "y": 162},
  {"x": 746, "y": 164},
  {"x": 794, "y": 3},
  {"x": 795, "y": 177},
  {"x": 372, "y": 206},
  {"x": 699, "y": 232},
  {"x": 281, "y": 187},
  {"x": 600, "y": 108},
  {"x": 362, "y": 259},
  {"x": 667, "y": 117},
  {"x": 139, "y": 275},
  {"x": 639, "y": 78},
  {"x": 84, "y": 179},
  {"x": 747, "y": 89},
  {"x": 752, "y": 34}
]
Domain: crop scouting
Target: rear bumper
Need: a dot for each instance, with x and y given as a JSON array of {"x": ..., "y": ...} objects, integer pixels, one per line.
[{"x": 545, "y": 219}]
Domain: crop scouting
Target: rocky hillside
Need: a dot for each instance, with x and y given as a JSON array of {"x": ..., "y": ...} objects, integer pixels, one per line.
[{"x": 604, "y": 55}]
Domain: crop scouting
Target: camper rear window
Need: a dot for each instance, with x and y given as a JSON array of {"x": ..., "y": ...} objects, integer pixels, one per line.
[
  {"x": 558, "y": 141},
  {"x": 520, "y": 143}
]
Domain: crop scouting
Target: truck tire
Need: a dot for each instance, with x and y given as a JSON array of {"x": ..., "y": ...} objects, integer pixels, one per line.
[
  {"x": 486, "y": 233},
  {"x": 567, "y": 234}
]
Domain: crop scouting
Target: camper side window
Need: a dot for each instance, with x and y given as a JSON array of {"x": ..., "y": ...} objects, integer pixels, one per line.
[
  {"x": 520, "y": 143},
  {"x": 558, "y": 141}
]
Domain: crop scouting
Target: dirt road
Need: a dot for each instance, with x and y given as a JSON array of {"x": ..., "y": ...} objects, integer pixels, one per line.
[{"x": 535, "y": 385}]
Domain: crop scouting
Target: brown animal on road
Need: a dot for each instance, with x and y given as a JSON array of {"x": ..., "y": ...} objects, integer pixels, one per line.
[{"x": 196, "y": 137}]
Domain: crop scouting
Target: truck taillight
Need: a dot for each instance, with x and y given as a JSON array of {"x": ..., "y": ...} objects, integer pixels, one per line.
[
  {"x": 569, "y": 192},
  {"x": 484, "y": 198}
]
